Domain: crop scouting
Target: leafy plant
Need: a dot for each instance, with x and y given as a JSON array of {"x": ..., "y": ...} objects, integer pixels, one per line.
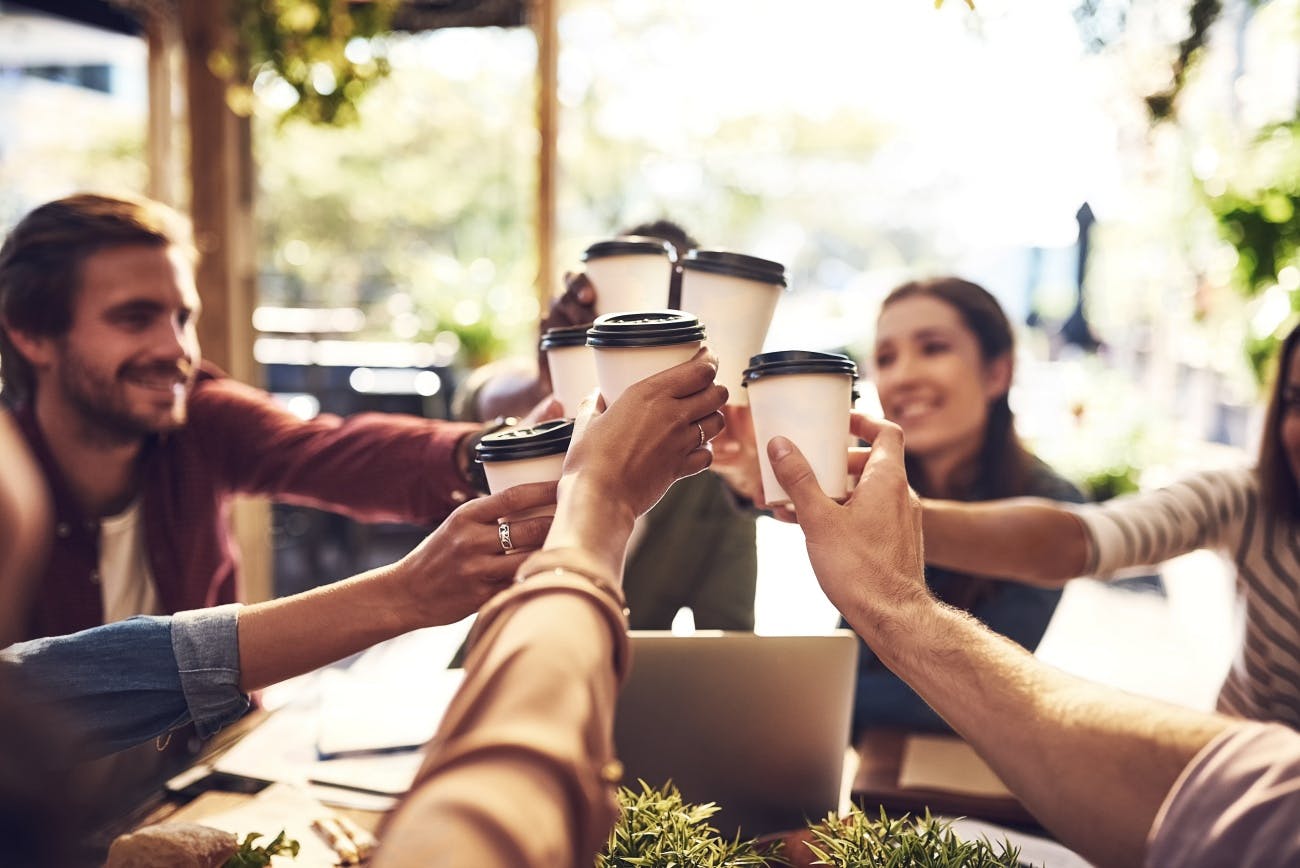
[
  {"x": 325, "y": 51},
  {"x": 656, "y": 829},
  {"x": 857, "y": 841},
  {"x": 251, "y": 856}
]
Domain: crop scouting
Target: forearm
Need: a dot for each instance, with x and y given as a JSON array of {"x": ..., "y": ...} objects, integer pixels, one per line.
[
  {"x": 1028, "y": 539},
  {"x": 287, "y": 637},
  {"x": 1093, "y": 764},
  {"x": 529, "y": 727}
]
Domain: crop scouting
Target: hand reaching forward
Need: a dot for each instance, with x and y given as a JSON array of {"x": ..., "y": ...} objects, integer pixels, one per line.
[
  {"x": 462, "y": 564},
  {"x": 866, "y": 552},
  {"x": 655, "y": 434}
]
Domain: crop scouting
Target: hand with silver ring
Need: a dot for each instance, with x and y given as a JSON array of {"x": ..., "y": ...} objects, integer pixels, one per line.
[
  {"x": 703, "y": 438},
  {"x": 503, "y": 535}
]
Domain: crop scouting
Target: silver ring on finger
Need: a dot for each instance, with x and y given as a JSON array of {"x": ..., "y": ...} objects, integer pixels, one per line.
[
  {"x": 703, "y": 439},
  {"x": 503, "y": 535}
]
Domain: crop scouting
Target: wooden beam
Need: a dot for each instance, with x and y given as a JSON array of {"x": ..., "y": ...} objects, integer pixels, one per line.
[
  {"x": 221, "y": 207},
  {"x": 162, "y": 36},
  {"x": 544, "y": 21}
]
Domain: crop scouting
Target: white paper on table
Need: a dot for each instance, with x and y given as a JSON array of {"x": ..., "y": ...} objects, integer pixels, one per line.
[
  {"x": 364, "y": 715},
  {"x": 410, "y": 671},
  {"x": 1036, "y": 851},
  {"x": 281, "y": 806},
  {"x": 947, "y": 764}
]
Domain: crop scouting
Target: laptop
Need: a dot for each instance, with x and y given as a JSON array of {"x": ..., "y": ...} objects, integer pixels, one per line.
[{"x": 757, "y": 724}]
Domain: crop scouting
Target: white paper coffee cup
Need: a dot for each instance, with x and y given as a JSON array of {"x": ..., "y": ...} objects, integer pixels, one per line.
[
  {"x": 629, "y": 347},
  {"x": 572, "y": 364},
  {"x": 805, "y": 397},
  {"x": 735, "y": 296},
  {"x": 525, "y": 455},
  {"x": 630, "y": 273}
]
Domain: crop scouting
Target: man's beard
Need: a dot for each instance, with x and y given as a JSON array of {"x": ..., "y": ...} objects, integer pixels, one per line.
[{"x": 102, "y": 402}]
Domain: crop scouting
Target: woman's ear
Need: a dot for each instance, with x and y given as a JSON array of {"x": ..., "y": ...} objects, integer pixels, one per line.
[{"x": 997, "y": 376}]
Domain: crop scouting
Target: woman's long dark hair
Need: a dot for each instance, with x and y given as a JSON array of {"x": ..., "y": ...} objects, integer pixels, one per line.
[
  {"x": 1277, "y": 482},
  {"x": 1002, "y": 464}
]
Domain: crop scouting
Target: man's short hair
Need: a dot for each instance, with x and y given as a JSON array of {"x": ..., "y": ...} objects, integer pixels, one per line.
[{"x": 41, "y": 262}]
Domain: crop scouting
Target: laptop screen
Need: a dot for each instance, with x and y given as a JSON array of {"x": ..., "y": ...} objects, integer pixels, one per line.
[{"x": 757, "y": 724}]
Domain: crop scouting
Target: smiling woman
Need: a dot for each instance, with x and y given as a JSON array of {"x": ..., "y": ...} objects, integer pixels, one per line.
[{"x": 943, "y": 365}]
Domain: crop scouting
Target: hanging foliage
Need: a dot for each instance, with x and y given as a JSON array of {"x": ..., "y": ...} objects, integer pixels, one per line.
[{"x": 308, "y": 59}]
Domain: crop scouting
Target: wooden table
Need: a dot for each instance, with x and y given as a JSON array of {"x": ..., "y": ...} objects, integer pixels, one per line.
[{"x": 880, "y": 758}]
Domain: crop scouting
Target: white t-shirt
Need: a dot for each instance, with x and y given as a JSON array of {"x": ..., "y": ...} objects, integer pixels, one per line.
[{"x": 125, "y": 580}]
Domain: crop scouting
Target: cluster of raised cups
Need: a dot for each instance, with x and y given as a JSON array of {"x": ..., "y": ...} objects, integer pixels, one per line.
[
  {"x": 730, "y": 296},
  {"x": 727, "y": 303}
]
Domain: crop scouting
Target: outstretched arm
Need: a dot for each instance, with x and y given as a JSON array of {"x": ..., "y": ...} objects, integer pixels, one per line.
[
  {"x": 532, "y": 725},
  {"x": 124, "y": 683},
  {"x": 1032, "y": 540},
  {"x": 1093, "y": 764}
]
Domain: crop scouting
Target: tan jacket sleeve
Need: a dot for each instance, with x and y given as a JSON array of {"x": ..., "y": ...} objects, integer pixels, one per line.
[{"x": 522, "y": 771}]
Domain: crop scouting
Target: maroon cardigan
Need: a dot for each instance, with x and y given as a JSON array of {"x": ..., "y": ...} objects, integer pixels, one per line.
[{"x": 372, "y": 467}]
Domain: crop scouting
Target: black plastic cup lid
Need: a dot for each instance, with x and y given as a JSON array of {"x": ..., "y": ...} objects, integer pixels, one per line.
[
  {"x": 545, "y": 438},
  {"x": 630, "y": 245},
  {"x": 798, "y": 362},
  {"x": 564, "y": 336},
  {"x": 735, "y": 265},
  {"x": 646, "y": 328}
]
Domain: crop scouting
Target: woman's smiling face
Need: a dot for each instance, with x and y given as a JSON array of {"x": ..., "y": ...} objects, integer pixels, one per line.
[{"x": 932, "y": 379}]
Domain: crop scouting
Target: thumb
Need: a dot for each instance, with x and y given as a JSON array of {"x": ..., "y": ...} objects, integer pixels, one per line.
[
  {"x": 796, "y": 476},
  {"x": 591, "y": 407}
]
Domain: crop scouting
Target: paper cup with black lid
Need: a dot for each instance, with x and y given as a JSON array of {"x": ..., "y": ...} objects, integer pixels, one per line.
[
  {"x": 805, "y": 397},
  {"x": 632, "y": 346},
  {"x": 735, "y": 296},
  {"x": 572, "y": 364},
  {"x": 631, "y": 272},
  {"x": 523, "y": 455}
]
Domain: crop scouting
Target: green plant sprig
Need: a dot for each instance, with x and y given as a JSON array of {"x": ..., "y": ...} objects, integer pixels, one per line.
[
  {"x": 857, "y": 841},
  {"x": 251, "y": 856},
  {"x": 656, "y": 829}
]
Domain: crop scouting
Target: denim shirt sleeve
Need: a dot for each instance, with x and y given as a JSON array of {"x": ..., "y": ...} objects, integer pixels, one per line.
[
  {"x": 121, "y": 684},
  {"x": 205, "y": 643}
]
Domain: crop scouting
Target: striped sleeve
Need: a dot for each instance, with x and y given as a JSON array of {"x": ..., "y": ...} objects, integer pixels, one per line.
[{"x": 1140, "y": 530}]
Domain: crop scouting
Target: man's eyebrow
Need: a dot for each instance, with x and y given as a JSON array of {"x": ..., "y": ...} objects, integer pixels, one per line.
[{"x": 135, "y": 305}]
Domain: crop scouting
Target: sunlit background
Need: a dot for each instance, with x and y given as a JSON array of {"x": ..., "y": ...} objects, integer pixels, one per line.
[{"x": 860, "y": 144}]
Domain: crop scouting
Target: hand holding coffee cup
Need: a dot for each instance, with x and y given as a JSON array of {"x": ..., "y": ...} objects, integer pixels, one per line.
[
  {"x": 462, "y": 563},
  {"x": 629, "y": 347},
  {"x": 805, "y": 397},
  {"x": 633, "y": 450},
  {"x": 521, "y": 456}
]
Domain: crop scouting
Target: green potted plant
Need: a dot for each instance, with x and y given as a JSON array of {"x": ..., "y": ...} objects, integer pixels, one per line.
[{"x": 657, "y": 829}]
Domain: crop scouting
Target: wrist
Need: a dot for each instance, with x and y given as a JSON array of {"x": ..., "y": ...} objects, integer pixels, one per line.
[
  {"x": 591, "y": 516},
  {"x": 895, "y": 624},
  {"x": 471, "y": 470}
]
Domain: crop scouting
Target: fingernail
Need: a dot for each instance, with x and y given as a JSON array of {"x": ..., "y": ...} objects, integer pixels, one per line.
[{"x": 778, "y": 448}]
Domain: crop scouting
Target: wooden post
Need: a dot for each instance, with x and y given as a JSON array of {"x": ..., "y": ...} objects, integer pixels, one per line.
[
  {"x": 544, "y": 17},
  {"x": 221, "y": 206},
  {"x": 161, "y": 35}
]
